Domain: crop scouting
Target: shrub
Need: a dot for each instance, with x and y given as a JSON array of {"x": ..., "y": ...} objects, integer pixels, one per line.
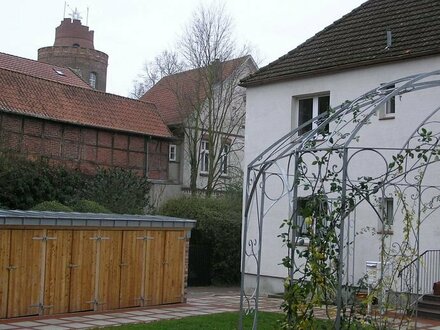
[
  {"x": 119, "y": 190},
  {"x": 218, "y": 227},
  {"x": 26, "y": 183},
  {"x": 87, "y": 206},
  {"x": 52, "y": 206}
]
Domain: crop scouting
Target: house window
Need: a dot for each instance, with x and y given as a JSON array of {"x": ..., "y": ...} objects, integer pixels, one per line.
[
  {"x": 309, "y": 108},
  {"x": 389, "y": 109},
  {"x": 92, "y": 79},
  {"x": 308, "y": 212},
  {"x": 224, "y": 159},
  {"x": 204, "y": 155},
  {"x": 386, "y": 206},
  {"x": 301, "y": 217},
  {"x": 172, "y": 153}
]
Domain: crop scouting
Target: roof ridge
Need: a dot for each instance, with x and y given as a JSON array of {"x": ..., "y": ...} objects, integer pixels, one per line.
[
  {"x": 35, "y": 61},
  {"x": 28, "y": 66},
  {"x": 307, "y": 41},
  {"x": 201, "y": 68},
  {"x": 50, "y": 80},
  {"x": 91, "y": 98},
  {"x": 359, "y": 38},
  {"x": 75, "y": 86}
]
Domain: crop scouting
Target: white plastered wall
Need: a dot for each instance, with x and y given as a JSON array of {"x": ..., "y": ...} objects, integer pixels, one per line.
[{"x": 270, "y": 111}]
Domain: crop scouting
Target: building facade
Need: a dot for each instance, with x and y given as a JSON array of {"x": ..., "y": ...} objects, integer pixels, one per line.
[
  {"x": 376, "y": 43},
  {"x": 193, "y": 106}
]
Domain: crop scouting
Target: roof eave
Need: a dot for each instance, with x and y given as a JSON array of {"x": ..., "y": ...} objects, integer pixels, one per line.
[
  {"x": 119, "y": 130},
  {"x": 326, "y": 70}
]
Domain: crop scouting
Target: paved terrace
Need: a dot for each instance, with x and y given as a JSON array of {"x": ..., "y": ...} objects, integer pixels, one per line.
[{"x": 201, "y": 301}]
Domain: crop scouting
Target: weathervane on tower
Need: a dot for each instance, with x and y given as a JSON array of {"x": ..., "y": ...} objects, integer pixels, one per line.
[{"x": 75, "y": 13}]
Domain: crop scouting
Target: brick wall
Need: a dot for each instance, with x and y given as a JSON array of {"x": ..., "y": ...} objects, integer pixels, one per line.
[{"x": 83, "y": 148}]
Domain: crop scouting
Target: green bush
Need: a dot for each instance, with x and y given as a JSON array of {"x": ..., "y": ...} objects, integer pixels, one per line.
[
  {"x": 119, "y": 190},
  {"x": 26, "y": 183},
  {"x": 87, "y": 206},
  {"x": 52, "y": 206},
  {"x": 218, "y": 227}
]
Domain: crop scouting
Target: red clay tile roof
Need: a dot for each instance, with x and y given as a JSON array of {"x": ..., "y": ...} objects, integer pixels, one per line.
[
  {"x": 360, "y": 38},
  {"x": 41, "y": 70},
  {"x": 184, "y": 87},
  {"x": 31, "y": 96}
]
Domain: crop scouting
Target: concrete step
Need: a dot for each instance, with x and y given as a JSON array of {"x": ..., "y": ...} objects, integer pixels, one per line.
[
  {"x": 431, "y": 297},
  {"x": 428, "y": 304},
  {"x": 428, "y": 313}
]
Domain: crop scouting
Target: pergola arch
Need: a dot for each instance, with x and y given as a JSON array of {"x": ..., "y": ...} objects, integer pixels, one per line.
[{"x": 325, "y": 160}]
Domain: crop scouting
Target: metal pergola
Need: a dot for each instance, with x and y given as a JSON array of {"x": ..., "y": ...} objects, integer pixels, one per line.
[{"x": 294, "y": 164}]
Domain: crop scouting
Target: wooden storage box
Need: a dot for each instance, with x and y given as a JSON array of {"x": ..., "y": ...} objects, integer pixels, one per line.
[{"x": 53, "y": 262}]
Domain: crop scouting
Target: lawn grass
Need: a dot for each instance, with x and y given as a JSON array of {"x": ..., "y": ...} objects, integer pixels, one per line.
[
  {"x": 224, "y": 321},
  {"x": 220, "y": 321}
]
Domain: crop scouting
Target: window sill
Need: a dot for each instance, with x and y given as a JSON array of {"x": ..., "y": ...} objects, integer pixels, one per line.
[
  {"x": 387, "y": 117},
  {"x": 303, "y": 241},
  {"x": 385, "y": 232},
  {"x": 222, "y": 176}
]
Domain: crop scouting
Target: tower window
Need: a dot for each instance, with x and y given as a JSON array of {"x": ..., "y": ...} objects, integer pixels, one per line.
[
  {"x": 75, "y": 45},
  {"x": 92, "y": 79}
]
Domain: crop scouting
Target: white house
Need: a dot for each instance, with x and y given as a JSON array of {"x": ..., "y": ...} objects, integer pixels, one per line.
[
  {"x": 378, "y": 42},
  {"x": 205, "y": 109}
]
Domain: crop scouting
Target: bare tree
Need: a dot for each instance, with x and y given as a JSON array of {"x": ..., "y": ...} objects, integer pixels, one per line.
[
  {"x": 210, "y": 104},
  {"x": 165, "y": 64}
]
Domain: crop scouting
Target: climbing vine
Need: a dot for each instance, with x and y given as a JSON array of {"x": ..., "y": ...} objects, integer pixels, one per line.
[{"x": 313, "y": 232}]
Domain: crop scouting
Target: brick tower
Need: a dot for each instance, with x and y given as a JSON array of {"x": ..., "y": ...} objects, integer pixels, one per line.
[{"x": 74, "y": 48}]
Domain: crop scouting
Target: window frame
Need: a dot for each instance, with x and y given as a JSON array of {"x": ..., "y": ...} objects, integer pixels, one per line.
[
  {"x": 300, "y": 219},
  {"x": 315, "y": 111},
  {"x": 224, "y": 159},
  {"x": 172, "y": 154},
  {"x": 389, "y": 109},
  {"x": 204, "y": 156},
  {"x": 386, "y": 221},
  {"x": 93, "y": 79}
]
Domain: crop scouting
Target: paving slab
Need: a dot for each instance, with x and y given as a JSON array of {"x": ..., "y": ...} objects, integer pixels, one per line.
[
  {"x": 101, "y": 323},
  {"x": 27, "y": 324},
  {"x": 144, "y": 318},
  {"x": 79, "y": 325},
  {"x": 125, "y": 320},
  {"x": 99, "y": 317},
  {"x": 201, "y": 301},
  {"x": 7, "y": 327},
  {"x": 53, "y": 321},
  {"x": 51, "y": 327}
]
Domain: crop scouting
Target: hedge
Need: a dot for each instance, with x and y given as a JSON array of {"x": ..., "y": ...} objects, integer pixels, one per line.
[
  {"x": 218, "y": 227},
  {"x": 52, "y": 206},
  {"x": 26, "y": 183}
]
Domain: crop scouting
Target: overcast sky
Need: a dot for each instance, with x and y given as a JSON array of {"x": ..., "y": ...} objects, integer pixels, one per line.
[{"x": 132, "y": 32}]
